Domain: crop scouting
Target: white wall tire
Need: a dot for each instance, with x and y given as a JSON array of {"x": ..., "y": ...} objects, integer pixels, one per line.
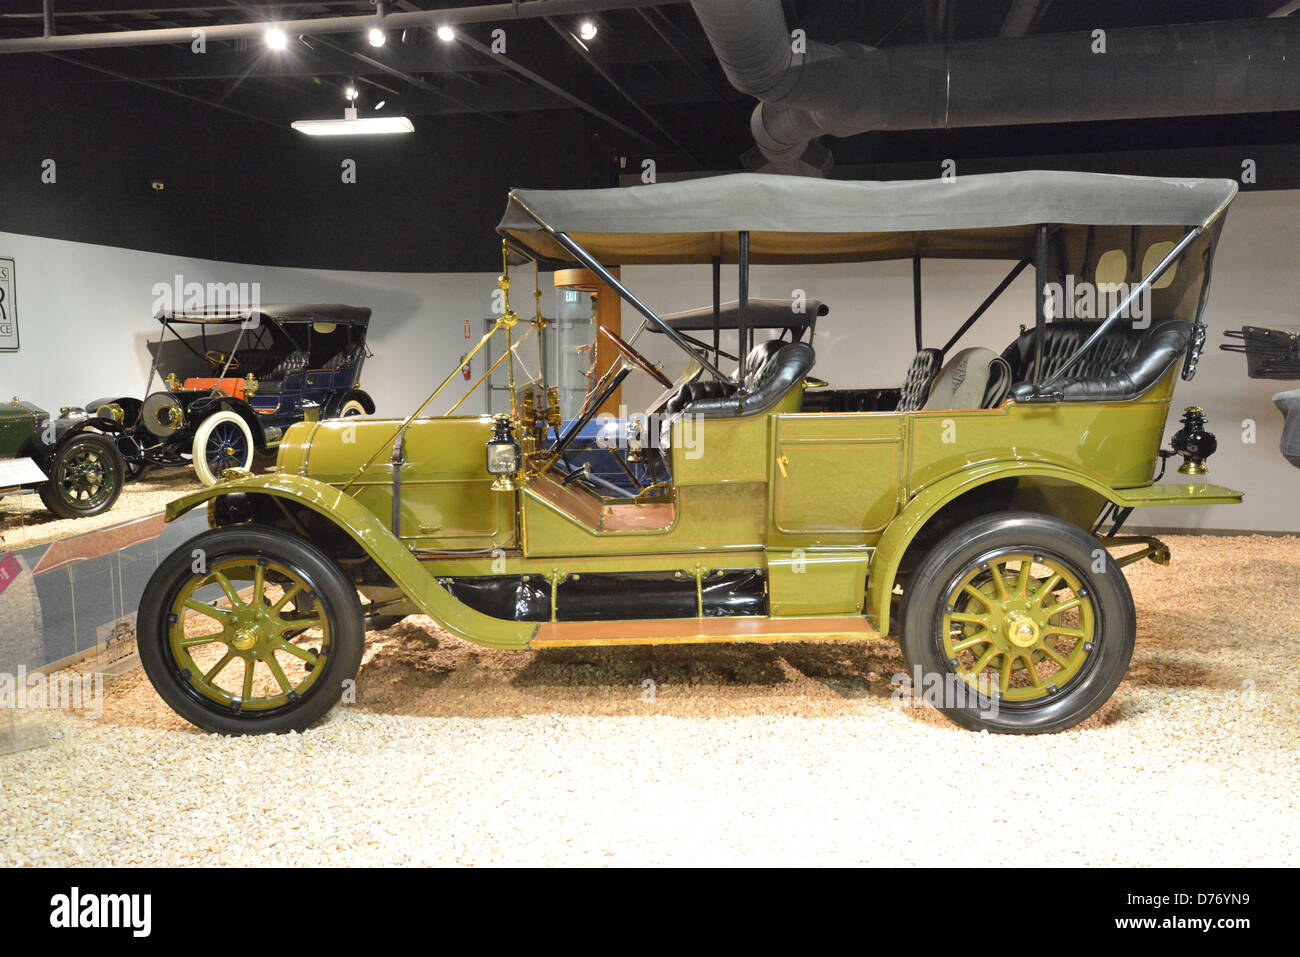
[
  {"x": 350, "y": 408},
  {"x": 223, "y": 441}
]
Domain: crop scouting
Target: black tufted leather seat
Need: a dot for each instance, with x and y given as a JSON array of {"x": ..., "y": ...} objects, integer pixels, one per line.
[
  {"x": 347, "y": 357},
  {"x": 1122, "y": 365},
  {"x": 775, "y": 370},
  {"x": 920, "y": 378},
  {"x": 294, "y": 363}
]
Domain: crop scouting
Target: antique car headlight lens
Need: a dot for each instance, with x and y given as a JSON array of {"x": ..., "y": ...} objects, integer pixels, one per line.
[
  {"x": 163, "y": 415},
  {"x": 502, "y": 457},
  {"x": 502, "y": 449},
  {"x": 111, "y": 411}
]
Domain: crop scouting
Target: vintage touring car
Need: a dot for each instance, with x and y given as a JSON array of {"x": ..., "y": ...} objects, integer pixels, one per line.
[
  {"x": 973, "y": 510},
  {"x": 235, "y": 380}
]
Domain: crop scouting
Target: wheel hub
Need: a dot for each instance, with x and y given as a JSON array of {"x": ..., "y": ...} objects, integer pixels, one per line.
[{"x": 1022, "y": 631}]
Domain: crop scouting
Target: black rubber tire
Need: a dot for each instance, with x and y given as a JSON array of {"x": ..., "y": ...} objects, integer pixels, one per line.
[
  {"x": 941, "y": 568},
  {"x": 114, "y": 475},
  {"x": 331, "y": 588}
]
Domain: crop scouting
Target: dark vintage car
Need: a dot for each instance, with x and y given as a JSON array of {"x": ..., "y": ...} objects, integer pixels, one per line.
[
  {"x": 233, "y": 381},
  {"x": 68, "y": 459}
]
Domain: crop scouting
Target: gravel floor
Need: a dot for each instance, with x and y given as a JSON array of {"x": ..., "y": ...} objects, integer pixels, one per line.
[
  {"x": 749, "y": 754},
  {"x": 24, "y": 520}
]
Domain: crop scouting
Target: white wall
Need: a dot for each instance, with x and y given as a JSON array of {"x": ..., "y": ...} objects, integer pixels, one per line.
[{"x": 84, "y": 314}]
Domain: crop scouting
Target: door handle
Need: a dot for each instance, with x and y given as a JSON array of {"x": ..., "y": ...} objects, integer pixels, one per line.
[{"x": 781, "y": 463}]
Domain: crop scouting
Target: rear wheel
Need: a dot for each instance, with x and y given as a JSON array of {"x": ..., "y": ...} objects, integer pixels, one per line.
[
  {"x": 222, "y": 441},
  {"x": 350, "y": 408},
  {"x": 250, "y": 630},
  {"x": 1018, "y": 623},
  {"x": 86, "y": 476}
]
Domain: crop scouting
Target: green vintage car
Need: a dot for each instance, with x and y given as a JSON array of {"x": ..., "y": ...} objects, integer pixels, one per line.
[
  {"x": 974, "y": 510},
  {"x": 69, "y": 459}
]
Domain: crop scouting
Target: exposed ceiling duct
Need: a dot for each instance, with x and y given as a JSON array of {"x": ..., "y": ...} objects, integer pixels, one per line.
[{"x": 816, "y": 89}]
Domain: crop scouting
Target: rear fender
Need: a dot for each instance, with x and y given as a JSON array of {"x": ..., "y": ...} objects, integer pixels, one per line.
[
  {"x": 885, "y": 561},
  {"x": 369, "y": 532}
]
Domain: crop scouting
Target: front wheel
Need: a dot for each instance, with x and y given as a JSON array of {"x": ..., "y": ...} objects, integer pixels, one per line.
[
  {"x": 222, "y": 441},
  {"x": 1018, "y": 623},
  {"x": 250, "y": 630},
  {"x": 86, "y": 476}
]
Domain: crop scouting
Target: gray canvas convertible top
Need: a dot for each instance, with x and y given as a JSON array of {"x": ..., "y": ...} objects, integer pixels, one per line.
[{"x": 794, "y": 219}]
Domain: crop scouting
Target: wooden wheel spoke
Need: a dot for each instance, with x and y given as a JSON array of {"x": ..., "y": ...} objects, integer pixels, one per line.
[
  {"x": 288, "y": 596},
  {"x": 964, "y": 617},
  {"x": 216, "y": 669},
  {"x": 984, "y": 660},
  {"x": 1036, "y": 681},
  {"x": 976, "y": 639},
  {"x": 1053, "y": 610},
  {"x": 1054, "y": 654},
  {"x": 1044, "y": 591},
  {"x": 191, "y": 640},
  {"x": 1060, "y": 630},
  {"x": 249, "y": 665},
  {"x": 231, "y": 595},
  {"x": 979, "y": 595},
  {"x": 998, "y": 581},
  {"x": 305, "y": 654},
  {"x": 1004, "y": 677},
  {"x": 278, "y": 672},
  {"x": 1022, "y": 583},
  {"x": 210, "y": 611},
  {"x": 259, "y": 584}
]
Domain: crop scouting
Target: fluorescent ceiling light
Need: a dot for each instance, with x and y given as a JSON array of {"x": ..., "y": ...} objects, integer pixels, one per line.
[
  {"x": 276, "y": 39},
  {"x": 366, "y": 126}
]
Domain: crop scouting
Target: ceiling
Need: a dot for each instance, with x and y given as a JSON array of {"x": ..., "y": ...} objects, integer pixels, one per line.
[{"x": 648, "y": 80}]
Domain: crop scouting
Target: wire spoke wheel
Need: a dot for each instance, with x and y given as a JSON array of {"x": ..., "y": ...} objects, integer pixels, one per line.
[{"x": 1019, "y": 625}]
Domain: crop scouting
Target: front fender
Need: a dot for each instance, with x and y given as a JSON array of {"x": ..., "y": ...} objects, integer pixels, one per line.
[
  {"x": 369, "y": 531},
  {"x": 888, "y": 555}
]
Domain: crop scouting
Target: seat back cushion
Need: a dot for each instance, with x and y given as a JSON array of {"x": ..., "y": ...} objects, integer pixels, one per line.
[
  {"x": 920, "y": 377},
  {"x": 1122, "y": 365},
  {"x": 783, "y": 371},
  {"x": 972, "y": 379}
]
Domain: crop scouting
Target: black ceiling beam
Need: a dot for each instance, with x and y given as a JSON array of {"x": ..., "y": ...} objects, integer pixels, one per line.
[
  {"x": 557, "y": 90},
  {"x": 665, "y": 29},
  {"x": 453, "y": 16},
  {"x": 609, "y": 78}
]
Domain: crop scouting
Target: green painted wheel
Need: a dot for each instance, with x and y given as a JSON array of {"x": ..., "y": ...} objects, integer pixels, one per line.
[
  {"x": 86, "y": 477},
  {"x": 1018, "y": 623},
  {"x": 247, "y": 629}
]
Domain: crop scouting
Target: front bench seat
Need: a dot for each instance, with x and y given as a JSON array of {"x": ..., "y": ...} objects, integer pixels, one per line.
[
  {"x": 1122, "y": 365},
  {"x": 780, "y": 367}
]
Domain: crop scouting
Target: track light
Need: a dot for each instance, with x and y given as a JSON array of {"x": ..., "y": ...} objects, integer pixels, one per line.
[
  {"x": 350, "y": 94},
  {"x": 446, "y": 34},
  {"x": 377, "y": 37},
  {"x": 276, "y": 39},
  {"x": 587, "y": 30}
]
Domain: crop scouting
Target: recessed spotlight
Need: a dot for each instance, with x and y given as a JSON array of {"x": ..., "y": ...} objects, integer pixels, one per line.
[
  {"x": 276, "y": 39},
  {"x": 350, "y": 94},
  {"x": 377, "y": 37},
  {"x": 587, "y": 30},
  {"x": 446, "y": 34}
]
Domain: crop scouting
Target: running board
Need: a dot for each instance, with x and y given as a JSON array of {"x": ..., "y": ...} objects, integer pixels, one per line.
[{"x": 685, "y": 631}]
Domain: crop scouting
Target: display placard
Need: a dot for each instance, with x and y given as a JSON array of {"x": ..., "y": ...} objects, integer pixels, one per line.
[{"x": 8, "y": 308}]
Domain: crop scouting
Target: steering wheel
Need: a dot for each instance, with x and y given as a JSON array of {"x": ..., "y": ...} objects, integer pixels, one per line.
[
  {"x": 638, "y": 360},
  {"x": 218, "y": 360}
]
